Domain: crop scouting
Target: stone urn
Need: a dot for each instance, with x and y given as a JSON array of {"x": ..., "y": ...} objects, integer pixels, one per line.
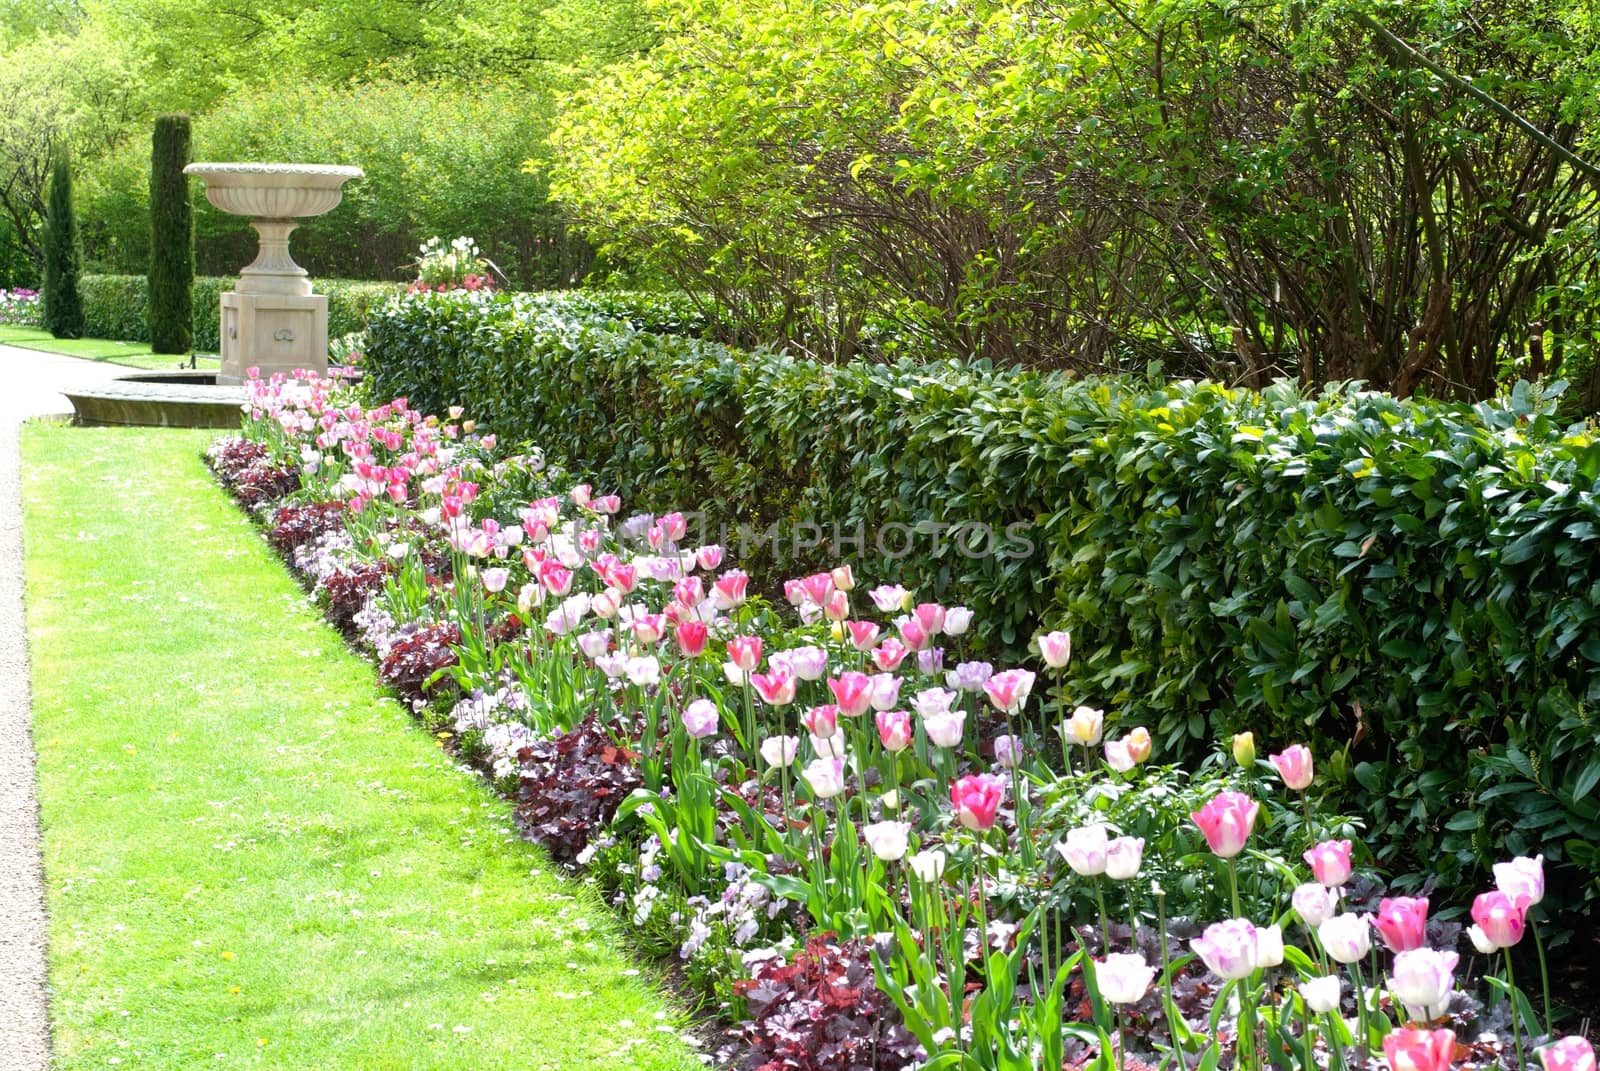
[{"x": 273, "y": 321}]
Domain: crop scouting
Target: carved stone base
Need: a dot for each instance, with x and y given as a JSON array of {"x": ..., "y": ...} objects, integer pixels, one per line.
[{"x": 273, "y": 333}]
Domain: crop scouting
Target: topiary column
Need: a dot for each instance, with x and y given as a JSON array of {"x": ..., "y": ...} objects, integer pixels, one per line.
[
  {"x": 63, "y": 308},
  {"x": 170, "y": 310}
]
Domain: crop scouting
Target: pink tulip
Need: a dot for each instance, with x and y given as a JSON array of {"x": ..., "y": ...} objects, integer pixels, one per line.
[
  {"x": 821, "y": 721},
  {"x": 1228, "y": 948},
  {"x": 818, "y": 586},
  {"x": 700, "y": 718},
  {"x": 1402, "y": 921},
  {"x": 1226, "y": 822},
  {"x": 494, "y": 580},
  {"x": 889, "y": 597},
  {"x": 1124, "y": 977},
  {"x": 1008, "y": 691},
  {"x": 889, "y": 654},
  {"x": 1118, "y": 757},
  {"x": 1420, "y": 1050},
  {"x": 624, "y": 578},
  {"x": 1521, "y": 877},
  {"x": 1423, "y": 980},
  {"x": 708, "y": 557},
  {"x": 930, "y": 615},
  {"x": 1294, "y": 766},
  {"x": 1569, "y": 1054},
  {"x": 1056, "y": 647},
  {"x": 894, "y": 729},
  {"x": 689, "y": 591},
  {"x": 728, "y": 590},
  {"x": 913, "y": 634},
  {"x": 1330, "y": 862},
  {"x": 675, "y": 526},
  {"x": 843, "y": 578},
  {"x": 607, "y": 504},
  {"x": 1500, "y": 918},
  {"x": 885, "y": 691},
  {"x": 853, "y": 692},
  {"x": 794, "y": 591},
  {"x": 977, "y": 799},
  {"x": 691, "y": 637},
  {"x": 776, "y": 688},
  {"x": 649, "y": 628},
  {"x": 944, "y": 728},
  {"x": 809, "y": 663},
  {"x": 863, "y": 634},
  {"x": 837, "y": 608},
  {"x": 745, "y": 652},
  {"x": 556, "y": 578}
]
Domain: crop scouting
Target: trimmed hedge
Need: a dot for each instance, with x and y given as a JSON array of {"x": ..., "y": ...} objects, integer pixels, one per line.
[
  {"x": 1413, "y": 587},
  {"x": 115, "y": 306}
]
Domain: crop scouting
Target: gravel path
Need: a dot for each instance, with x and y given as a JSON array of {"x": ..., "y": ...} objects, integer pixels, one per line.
[{"x": 32, "y": 383}]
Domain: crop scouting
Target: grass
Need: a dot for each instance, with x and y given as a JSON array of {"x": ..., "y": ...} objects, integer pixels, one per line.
[
  {"x": 252, "y": 858},
  {"x": 132, "y": 354}
]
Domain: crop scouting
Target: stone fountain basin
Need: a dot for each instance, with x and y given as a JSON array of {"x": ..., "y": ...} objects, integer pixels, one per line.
[
  {"x": 273, "y": 191},
  {"x": 160, "y": 399}
]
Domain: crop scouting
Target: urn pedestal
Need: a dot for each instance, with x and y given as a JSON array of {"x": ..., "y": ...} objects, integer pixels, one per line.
[{"x": 272, "y": 321}]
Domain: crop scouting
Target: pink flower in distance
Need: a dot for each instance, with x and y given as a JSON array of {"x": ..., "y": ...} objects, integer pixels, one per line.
[
  {"x": 837, "y": 608},
  {"x": 895, "y": 729},
  {"x": 777, "y": 687},
  {"x": 1226, "y": 822},
  {"x": 1500, "y": 918},
  {"x": 977, "y": 799},
  {"x": 1056, "y": 647},
  {"x": 1008, "y": 691},
  {"x": 843, "y": 578},
  {"x": 745, "y": 652},
  {"x": 889, "y": 597},
  {"x": 1007, "y": 751},
  {"x": 1330, "y": 862},
  {"x": 885, "y": 691},
  {"x": 944, "y": 728},
  {"x": 1569, "y": 1054},
  {"x": 852, "y": 691},
  {"x": 1294, "y": 766},
  {"x": 1420, "y": 1050},
  {"x": 649, "y": 628},
  {"x": 1402, "y": 922}
]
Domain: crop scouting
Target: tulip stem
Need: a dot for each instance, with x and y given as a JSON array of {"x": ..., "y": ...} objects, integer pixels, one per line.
[
  {"x": 1516, "y": 1025},
  {"x": 1305, "y": 808},
  {"x": 1544, "y": 979},
  {"x": 1233, "y": 884},
  {"x": 1361, "y": 1010},
  {"x": 1105, "y": 925},
  {"x": 1335, "y": 1049},
  {"x": 1168, "y": 1006}
]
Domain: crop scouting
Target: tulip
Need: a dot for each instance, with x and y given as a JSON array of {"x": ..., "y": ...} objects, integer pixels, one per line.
[
  {"x": 1228, "y": 948},
  {"x": 1346, "y": 937},
  {"x": 728, "y": 590},
  {"x": 1422, "y": 980},
  {"x": 595, "y": 644},
  {"x": 837, "y": 608},
  {"x": 1123, "y": 977},
  {"x": 825, "y": 776},
  {"x": 1269, "y": 946},
  {"x": 1085, "y": 850},
  {"x": 969, "y": 676},
  {"x": 1139, "y": 743},
  {"x": 1008, "y": 691},
  {"x": 1322, "y": 994},
  {"x": 1226, "y": 822},
  {"x": 957, "y": 619},
  {"x": 794, "y": 592},
  {"x": 779, "y": 750},
  {"x": 1569, "y": 1054},
  {"x": 889, "y": 654},
  {"x": 581, "y": 494},
  {"x": 1124, "y": 855},
  {"x": 817, "y": 587},
  {"x": 776, "y": 688},
  {"x": 1500, "y": 918},
  {"x": 1402, "y": 922},
  {"x": 1294, "y": 766},
  {"x": 708, "y": 557},
  {"x": 1007, "y": 751},
  {"x": 1086, "y": 726},
  {"x": 832, "y": 747},
  {"x": 1420, "y": 1050},
  {"x": 691, "y": 637},
  {"x": 1244, "y": 749},
  {"x": 1118, "y": 757},
  {"x": 1330, "y": 862},
  {"x": 1056, "y": 648},
  {"x": 887, "y": 839},
  {"x": 928, "y": 865},
  {"x": 852, "y": 691},
  {"x": 808, "y": 663},
  {"x": 843, "y": 578},
  {"x": 1481, "y": 942},
  {"x": 624, "y": 578},
  {"x": 913, "y": 634},
  {"x": 648, "y": 628},
  {"x": 863, "y": 634},
  {"x": 932, "y": 701},
  {"x": 689, "y": 591},
  {"x": 1522, "y": 877},
  {"x": 745, "y": 652},
  {"x": 700, "y": 718},
  {"x": 556, "y": 578},
  {"x": 885, "y": 691},
  {"x": 894, "y": 729},
  {"x": 605, "y": 604},
  {"x": 494, "y": 580},
  {"x": 977, "y": 799},
  {"x": 821, "y": 721},
  {"x": 644, "y": 671},
  {"x": 944, "y": 730},
  {"x": 1314, "y": 903},
  {"x": 930, "y": 662},
  {"x": 930, "y": 615}
]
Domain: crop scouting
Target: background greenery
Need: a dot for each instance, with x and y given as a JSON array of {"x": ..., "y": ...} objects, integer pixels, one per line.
[{"x": 1408, "y": 585}]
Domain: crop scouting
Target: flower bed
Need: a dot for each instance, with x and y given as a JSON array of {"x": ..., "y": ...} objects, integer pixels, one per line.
[
  {"x": 21, "y": 308},
  {"x": 851, "y": 834}
]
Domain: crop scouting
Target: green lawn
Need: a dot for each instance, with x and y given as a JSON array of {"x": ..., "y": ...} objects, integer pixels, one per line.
[
  {"x": 252, "y": 859},
  {"x": 132, "y": 354}
]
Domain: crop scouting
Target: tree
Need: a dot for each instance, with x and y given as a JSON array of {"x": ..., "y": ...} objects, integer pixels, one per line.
[
  {"x": 171, "y": 308},
  {"x": 63, "y": 309}
]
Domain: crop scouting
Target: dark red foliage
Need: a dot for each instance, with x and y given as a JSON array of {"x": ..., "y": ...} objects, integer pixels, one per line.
[
  {"x": 345, "y": 591},
  {"x": 293, "y": 526},
  {"x": 245, "y": 468},
  {"x": 571, "y": 786},
  {"x": 822, "y": 1012},
  {"x": 417, "y": 657}
]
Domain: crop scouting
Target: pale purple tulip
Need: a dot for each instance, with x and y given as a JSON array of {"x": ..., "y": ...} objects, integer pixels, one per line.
[
  {"x": 1422, "y": 980},
  {"x": 1228, "y": 948},
  {"x": 700, "y": 718},
  {"x": 888, "y": 840},
  {"x": 1123, "y": 977}
]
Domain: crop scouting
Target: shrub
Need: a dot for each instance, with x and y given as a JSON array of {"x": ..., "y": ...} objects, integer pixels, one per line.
[
  {"x": 63, "y": 309},
  {"x": 1409, "y": 583},
  {"x": 171, "y": 279},
  {"x": 116, "y": 306}
]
